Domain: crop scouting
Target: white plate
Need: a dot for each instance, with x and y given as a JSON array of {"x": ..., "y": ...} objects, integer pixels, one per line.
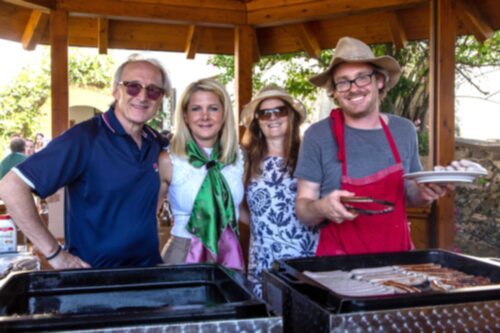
[{"x": 445, "y": 176}]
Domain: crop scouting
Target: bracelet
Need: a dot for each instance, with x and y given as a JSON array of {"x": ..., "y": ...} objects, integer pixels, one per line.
[{"x": 55, "y": 254}]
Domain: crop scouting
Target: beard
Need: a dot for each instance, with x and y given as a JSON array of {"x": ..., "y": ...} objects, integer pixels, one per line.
[{"x": 361, "y": 111}]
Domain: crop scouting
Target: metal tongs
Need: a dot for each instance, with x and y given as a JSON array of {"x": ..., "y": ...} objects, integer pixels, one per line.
[{"x": 376, "y": 207}]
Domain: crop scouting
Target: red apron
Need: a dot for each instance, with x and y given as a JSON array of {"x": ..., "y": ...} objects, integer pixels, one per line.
[{"x": 368, "y": 233}]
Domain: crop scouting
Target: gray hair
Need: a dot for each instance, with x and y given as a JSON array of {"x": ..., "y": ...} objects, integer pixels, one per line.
[{"x": 134, "y": 58}]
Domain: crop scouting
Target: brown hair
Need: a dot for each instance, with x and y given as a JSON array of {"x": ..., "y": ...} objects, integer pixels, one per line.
[{"x": 255, "y": 146}]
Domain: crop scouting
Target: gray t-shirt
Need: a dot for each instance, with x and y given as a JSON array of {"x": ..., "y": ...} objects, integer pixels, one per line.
[{"x": 367, "y": 151}]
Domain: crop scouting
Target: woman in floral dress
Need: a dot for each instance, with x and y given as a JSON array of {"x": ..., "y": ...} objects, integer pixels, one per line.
[{"x": 272, "y": 142}]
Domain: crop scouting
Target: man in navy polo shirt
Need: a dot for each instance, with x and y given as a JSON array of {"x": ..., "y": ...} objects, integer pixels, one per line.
[{"x": 108, "y": 165}]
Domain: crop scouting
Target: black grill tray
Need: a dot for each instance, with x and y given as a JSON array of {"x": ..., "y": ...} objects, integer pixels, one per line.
[
  {"x": 96, "y": 298},
  {"x": 290, "y": 271}
]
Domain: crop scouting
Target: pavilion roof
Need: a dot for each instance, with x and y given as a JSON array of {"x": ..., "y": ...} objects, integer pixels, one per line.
[{"x": 207, "y": 26}]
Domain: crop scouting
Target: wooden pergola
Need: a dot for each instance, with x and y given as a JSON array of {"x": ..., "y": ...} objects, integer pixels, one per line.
[{"x": 249, "y": 29}]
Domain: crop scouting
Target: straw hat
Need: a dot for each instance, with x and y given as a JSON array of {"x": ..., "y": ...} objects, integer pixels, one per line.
[
  {"x": 248, "y": 113},
  {"x": 353, "y": 50}
]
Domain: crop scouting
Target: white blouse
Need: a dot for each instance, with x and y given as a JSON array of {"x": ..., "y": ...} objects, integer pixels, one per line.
[{"x": 186, "y": 182}]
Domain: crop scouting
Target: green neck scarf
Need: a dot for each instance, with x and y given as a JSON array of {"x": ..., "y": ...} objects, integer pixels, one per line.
[{"x": 213, "y": 206}]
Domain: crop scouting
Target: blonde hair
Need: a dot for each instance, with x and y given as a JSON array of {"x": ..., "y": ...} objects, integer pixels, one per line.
[{"x": 228, "y": 135}]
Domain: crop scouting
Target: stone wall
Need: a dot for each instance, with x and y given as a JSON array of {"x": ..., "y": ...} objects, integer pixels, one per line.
[{"x": 477, "y": 204}]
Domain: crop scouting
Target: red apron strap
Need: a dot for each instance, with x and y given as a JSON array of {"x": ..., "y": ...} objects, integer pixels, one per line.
[
  {"x": 337, "y": 126},
  {"x": 389, "y": 137}
]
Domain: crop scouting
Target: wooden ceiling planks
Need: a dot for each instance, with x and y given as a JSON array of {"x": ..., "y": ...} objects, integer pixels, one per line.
[
  {"x": 167, "y": 28},
  {"x": 193, "y": 12},
  {"x": 265, "y": 13}
]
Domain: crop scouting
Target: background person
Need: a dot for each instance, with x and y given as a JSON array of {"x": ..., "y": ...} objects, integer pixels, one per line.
[
  {"x": 359, "y": 151},
  {"x": 202, "y": 173},
  {"x": 271, "y": 143},
  {"x": 39, "y": 142},
  {"x": 16, "y": 156},
  {"x": 29, "y": 148},
  {"x": 109, "y": 167}
]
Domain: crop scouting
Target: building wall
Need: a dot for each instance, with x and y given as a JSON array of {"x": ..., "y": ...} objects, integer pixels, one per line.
[{"x": 478, "y": 204}]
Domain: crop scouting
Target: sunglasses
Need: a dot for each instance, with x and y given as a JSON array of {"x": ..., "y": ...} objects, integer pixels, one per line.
[
  {"x": 266, "y": 114},
  {"x": 367, "y": 205},
  {"x": 134, "y": 88}
]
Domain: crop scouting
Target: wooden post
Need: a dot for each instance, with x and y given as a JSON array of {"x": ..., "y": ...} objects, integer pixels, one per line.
[
  {"x": 442, "y": 111},
  {"x": 243, "y": 53},
  {"x": 244, "y": 40},
  {"x": 59, "y": 71}
]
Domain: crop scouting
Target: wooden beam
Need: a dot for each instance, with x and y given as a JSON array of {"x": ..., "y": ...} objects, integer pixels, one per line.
[
  {"x": 192, "y": 41},
  {"x": 474, "y": 20},
  {"x": 42, "y": 5},
  {"x": 59, "y": 71},
  {"x": 442, "y": 111},
  {"x": 229, "y": 14},
  {"x": 307, "y": 39},
  {"x": 34, "y": 29},
  {"x": 103, "y": 35},
  {"x": 256, "y": 48},
  {"x": 243, "y": 45},
  {"x": 397, "y": 29},
  {"x": 265, "y": 13}
]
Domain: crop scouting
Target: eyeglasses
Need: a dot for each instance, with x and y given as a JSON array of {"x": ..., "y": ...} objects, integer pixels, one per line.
[
  {"x": 360, "y": 82},
  {"x": 367, "y": 205},
  {"x": 266, "y": 114},
  {"x": 134, "y": 88}
]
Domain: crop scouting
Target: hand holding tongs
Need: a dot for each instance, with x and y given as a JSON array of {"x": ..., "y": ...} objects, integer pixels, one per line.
[{"x": 376, "y": 206}]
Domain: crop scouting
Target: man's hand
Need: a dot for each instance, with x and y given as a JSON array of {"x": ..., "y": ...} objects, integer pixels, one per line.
[
  {"x": 65, "y": 260},
  {"x": 312, "y": 210},
  {"x": 333, "y": 209},
  {"x": 429, "y": 192}
]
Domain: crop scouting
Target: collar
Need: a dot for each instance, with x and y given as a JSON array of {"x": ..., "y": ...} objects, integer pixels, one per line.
[{"x": 115, "y": 127}]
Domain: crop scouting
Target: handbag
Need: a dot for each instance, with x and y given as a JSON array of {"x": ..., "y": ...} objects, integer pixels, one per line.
[{"x": 165, "y": 217}]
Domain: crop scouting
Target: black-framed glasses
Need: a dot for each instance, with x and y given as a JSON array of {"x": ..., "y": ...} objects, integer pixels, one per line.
[
  {"x": 266, "y": 114},
  {"x": 360, "y": 82},
  {"x": 133, "y": 88},
  {"x": 367, "y": 205}
]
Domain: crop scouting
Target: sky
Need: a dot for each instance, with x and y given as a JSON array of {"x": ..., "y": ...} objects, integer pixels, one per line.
[{"x": 477, "y": 118}]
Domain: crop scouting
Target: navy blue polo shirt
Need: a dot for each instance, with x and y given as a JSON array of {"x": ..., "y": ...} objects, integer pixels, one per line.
[{"x": 111, "y": 191}]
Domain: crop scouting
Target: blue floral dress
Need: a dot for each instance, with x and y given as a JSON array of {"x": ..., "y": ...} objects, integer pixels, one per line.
[{"x": 276, "y": 232}]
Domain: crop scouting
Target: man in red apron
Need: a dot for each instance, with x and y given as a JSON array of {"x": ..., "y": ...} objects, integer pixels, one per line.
[{"x": 360, "y": 152}]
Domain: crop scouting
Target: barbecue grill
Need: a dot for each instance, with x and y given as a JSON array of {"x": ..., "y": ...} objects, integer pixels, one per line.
[
  {"x": 134, "y": 297},
  {"x": 307, "y": 305}
]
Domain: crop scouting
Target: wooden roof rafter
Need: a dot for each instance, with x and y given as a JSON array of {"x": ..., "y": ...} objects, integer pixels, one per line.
[
  {"x": 192, "y": 41},
  {"x": 398, "y": 33},
  {"x": 307, "y": 39},
  {"x": 41, "y": 5},
  {"x": 103, "y": 35},
  {"x": 474, "y": 20},
  {"x": 34, "y": 29}
]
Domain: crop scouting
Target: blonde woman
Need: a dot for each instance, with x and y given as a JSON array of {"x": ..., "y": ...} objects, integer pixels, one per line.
[{"x": 202, "y": 175}]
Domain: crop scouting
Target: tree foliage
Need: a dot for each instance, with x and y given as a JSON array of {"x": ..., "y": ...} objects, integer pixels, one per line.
[
  {"x": 21, "y": 101},
  {"x": 409, "y": 98}
]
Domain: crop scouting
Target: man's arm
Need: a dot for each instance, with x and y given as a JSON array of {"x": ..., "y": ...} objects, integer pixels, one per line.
[
  {"x": 165, "y": 173},
  {"x": 18, "y": 199},
  {"x": 311, "y": 210}
]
